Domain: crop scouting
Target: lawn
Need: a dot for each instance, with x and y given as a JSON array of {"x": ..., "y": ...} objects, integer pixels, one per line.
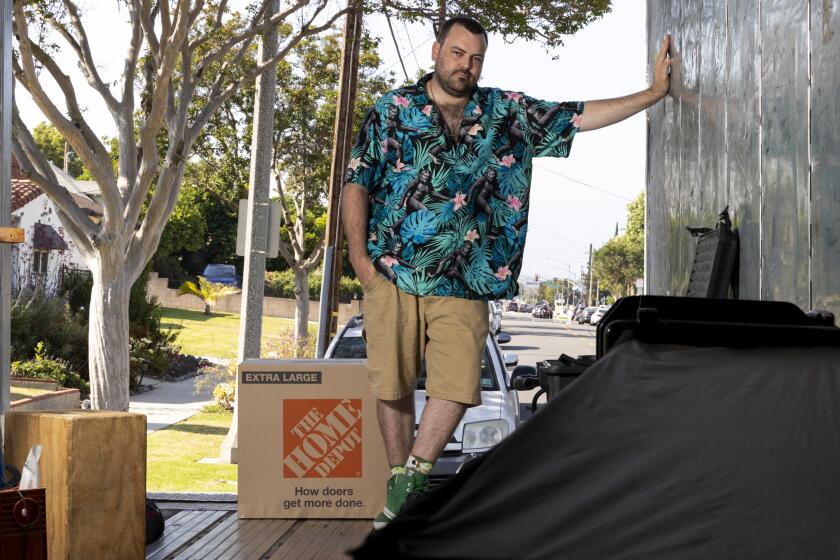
[
  {"x": 217, "y": 335},
  {"x": 174, "y": 452},
  {"x": 19, "y": 393}
]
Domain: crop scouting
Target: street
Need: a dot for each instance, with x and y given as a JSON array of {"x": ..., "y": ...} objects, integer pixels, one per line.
[{"x": 535, "y": 340}]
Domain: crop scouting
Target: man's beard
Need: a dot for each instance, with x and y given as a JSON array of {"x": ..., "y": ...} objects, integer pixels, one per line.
[{"x": 455, "y": 86}]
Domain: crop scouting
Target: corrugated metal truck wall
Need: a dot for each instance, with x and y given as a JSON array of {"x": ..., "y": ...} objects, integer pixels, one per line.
[{"x": 753, "y": 122}]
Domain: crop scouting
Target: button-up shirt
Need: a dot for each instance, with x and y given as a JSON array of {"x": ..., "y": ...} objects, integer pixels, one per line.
[{"x": 448, "y": 212}]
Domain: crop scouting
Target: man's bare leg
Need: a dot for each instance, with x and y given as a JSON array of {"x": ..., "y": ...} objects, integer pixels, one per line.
[
  {"x": 439, "y": 420},
  {"x": 396, "y": 422}
]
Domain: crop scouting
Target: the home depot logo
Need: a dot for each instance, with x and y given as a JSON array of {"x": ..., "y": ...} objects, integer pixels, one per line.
[{"x": 323, "y": 438}]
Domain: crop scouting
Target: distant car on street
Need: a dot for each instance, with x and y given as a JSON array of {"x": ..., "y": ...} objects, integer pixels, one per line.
[
  {"x": 585, "y": 316},
  {"x": 542, "y": 311},
  {"x": 577, "y": 311},
  {"x": 222, "y": 274},
  {"x": 513, "y": 306},
  {"x": 596, "y": 316},
  {"x": 483, "y": 426}
]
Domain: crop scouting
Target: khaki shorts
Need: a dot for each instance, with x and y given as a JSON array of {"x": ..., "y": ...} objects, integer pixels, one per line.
[{"x": 402, "y": 329}]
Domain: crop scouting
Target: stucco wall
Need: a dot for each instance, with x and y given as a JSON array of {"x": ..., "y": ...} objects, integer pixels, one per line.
[
  {"x": 272, "y": 307},
  {"x": 58, "y": 400},
  {"x": 752, "y": 122}
]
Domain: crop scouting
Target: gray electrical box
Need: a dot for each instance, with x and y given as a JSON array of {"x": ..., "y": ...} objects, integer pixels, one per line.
[{"x": 273, "y": 228}]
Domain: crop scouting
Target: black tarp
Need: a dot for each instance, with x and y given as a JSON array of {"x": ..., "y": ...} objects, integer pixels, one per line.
[{"x": 656, "y": 451}]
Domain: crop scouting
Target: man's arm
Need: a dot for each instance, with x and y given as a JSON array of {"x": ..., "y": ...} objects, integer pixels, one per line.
[
  {"x": 601, "y": 113},
  {"x": 354, "y": 218}
]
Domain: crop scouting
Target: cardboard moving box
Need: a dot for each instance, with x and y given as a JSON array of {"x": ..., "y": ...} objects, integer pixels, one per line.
[{"x": 309, "y": 442}]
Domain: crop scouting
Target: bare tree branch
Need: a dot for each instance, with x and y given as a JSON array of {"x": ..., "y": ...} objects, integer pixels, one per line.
[
  {"x": 315, "y": 258},
  {"x": 89, "y": 149},
  {"x": 148, "y": 24},
  {"x": 216, "y": 100},
  {"x": 127, "y": 164},
  {"x": 217, "y": 24},
  {"x": 33, "y": 162},
  {"x": 294, "y": 244},
  {"x": 86, "y": 63},
  {"x": 257, "y": 27},
  {"x": 145, "y": 240}
]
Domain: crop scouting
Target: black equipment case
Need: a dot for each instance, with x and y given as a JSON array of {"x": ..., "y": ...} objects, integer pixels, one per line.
[{"x": 705, "y": 429}]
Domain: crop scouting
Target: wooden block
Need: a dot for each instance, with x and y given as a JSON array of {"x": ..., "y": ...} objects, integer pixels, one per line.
[
  {"x": 93, "y": 465},
  {"x": 11, "y": 235}
]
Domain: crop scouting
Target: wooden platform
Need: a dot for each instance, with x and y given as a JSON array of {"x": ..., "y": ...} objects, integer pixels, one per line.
[{"x": 211, "y": 531}]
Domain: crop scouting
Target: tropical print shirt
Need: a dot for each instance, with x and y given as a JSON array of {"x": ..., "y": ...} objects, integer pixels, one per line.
[{"x": 448, "y": 215}]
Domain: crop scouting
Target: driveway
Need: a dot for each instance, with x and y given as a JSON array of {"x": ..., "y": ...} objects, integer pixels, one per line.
[{"x": 169, "y": 402}]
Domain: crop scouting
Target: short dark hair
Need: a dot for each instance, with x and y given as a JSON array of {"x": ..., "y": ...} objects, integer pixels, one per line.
[{"x": 467, "y": 23}]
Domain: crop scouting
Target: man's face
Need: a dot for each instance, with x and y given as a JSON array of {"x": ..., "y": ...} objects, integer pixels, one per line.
[{"x": 458, "y": 61}]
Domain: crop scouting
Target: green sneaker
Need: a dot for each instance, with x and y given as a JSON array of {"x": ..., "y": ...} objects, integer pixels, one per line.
[{"x": 399, "y": 487}]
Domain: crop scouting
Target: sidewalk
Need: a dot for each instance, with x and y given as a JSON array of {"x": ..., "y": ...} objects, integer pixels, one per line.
[{"x": 167, "y": 403}]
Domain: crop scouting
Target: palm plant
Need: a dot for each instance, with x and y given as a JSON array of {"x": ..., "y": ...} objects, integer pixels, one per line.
[{"x": 206, "y": 291}]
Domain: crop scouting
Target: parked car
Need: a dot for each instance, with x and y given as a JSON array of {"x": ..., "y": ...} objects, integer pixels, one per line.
[
  {"x": 495, "y": 317},
  {"x": 542, "y": 311},
  {"x": 596, "y": 316},
  {"x": 525, "y": 307},
  {"x": 513, "y": 306},
  {"x": 585, "y": 316},
  {"x": 482, "y": 426},
  {"x": 222, "y": 274}
]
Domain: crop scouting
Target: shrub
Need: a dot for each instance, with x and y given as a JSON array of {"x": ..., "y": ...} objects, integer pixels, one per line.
[
  {"x": 223, "y": 380},
  {"x": 38, "y": 319},
  {"x": 42, "y": 366},
  {"x": 224, "y": 395},
  {"x": 223, "y": 377},
  {"x": 60, "y": 325},
  {"x": 281, "y": 284}
]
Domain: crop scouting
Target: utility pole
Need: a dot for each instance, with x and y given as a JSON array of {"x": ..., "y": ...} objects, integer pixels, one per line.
[
  {"x": 342, "y": 143},
  {"x": 589, "y": 295},
  {"x": 256, "y": 240}
]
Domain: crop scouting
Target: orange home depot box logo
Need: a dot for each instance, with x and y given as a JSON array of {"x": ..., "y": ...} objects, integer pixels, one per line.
[{"x": 322, "y": 438}]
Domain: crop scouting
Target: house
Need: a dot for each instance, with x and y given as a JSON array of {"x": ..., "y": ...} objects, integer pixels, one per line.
[{"x": 48, "y": 252}]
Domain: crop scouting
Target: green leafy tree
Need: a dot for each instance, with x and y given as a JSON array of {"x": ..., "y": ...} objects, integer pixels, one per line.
[
  {"x": 636, "y": 219},
  {"x": 304, "y": 122},
  {"x": 51, "y": 143},
  {"x": 206, "y": 291},
  {"x": 620, "y": 261},
  {"x": 175, "y": 76},
  {"x": 542, "y": 21}
]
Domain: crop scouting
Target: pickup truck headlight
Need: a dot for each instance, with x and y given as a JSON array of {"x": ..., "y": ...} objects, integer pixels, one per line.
[{"x": 483, "y": 435}]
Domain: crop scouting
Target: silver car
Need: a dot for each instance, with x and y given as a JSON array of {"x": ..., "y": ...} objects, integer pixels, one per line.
[
  {"x": 483, "y": 426},
  {"x": 495, "y": 310}
]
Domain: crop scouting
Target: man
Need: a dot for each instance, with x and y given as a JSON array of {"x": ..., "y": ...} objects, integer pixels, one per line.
[{"x": 459, "y": 242}]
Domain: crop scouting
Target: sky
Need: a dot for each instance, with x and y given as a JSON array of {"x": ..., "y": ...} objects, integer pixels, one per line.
[{"x": 569, "y": 208}]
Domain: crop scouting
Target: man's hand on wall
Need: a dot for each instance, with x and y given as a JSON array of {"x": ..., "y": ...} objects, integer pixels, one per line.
[{"x": 662, "y": 69}]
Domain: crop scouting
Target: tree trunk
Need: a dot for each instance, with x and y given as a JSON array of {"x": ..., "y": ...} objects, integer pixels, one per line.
[
  {"x": 108, "y": 353},
  {"x": 301, "y": 310},
  {"x": 207, "y": 308}
]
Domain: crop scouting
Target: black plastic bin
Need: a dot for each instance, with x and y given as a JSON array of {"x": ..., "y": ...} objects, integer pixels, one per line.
[{"x": 556, "y": 374}]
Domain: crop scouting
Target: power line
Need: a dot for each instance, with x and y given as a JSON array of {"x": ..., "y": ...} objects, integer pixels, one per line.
[
  {"x": 551, "y": 233},
  {"x": 397, "y": 46},
  {"x": 408, "y": 36},
  {"x": 384, "y": 70},
  {"x": 587, "y": 185}
]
